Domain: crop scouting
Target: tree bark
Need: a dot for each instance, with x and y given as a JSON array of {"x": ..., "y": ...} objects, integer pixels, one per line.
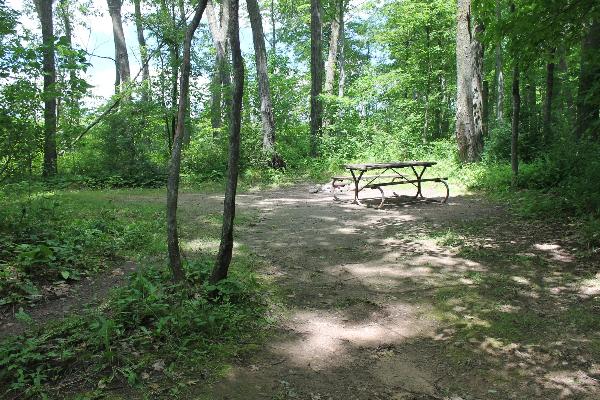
[
  {"x": 588, "y": 96},
  {"x": 266, "y": 106},
  {"x": 516, "y": 115},
  {"x": 316, "y": 75},
  {"x": 469, "y": 143},
  {"x": 547, "y": 114},
  {"x": 143, "y": 50},
  {"x": 175, "y": 162},
  {"x": 341, "y": 59},
  {"x": 221, "y": 267},
  {"x": 121, "y": 56},
  {"x": 478, "y": 103},
  {"x": 333, "y": 51},
  {"x": 499, "y": 75},
  {"x": 44, "y": 8},
  {"x": 273, "y": 32},
  {"x": 221, "y": 80},
  {"x": 485, "y": 96}
]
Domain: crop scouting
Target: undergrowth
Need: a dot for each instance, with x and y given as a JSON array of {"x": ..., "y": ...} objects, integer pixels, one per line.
[{"x": 150, "y": 330}]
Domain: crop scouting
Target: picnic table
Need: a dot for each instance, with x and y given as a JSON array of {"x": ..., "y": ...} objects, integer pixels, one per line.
[{"x": 387, "y": 174}]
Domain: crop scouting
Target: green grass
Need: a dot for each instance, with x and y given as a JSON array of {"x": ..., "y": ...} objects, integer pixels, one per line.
[{"x": 116, "y": 344}]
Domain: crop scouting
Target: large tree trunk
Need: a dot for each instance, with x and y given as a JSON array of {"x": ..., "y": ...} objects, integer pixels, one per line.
[
  {"x": 316, "y": 75},
  {"x": 121, "y": 56},
  {"x": 221, "y": 267},
  {"x": 516, "y": 116},
  {"x": 221, "y": 80},
  {"x": 266, "y": 106},
  {"x": 470, "y": 144},
  {"x": 44, "y": 8},
  {"x": 333, "y": 51},
  {"x": 588, "y": 96},
  {"x": 175, "y": 162},
  {"x": 143, "y": 50},
  {"x": 547, "y": 113}
]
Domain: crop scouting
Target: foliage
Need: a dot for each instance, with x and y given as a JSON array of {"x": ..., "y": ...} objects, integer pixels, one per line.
[
  {"x": 149, "y": 330},
  {"x": 49, "y": 236}
]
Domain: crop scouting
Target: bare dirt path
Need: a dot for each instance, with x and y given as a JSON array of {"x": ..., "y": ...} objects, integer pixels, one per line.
[
  {"x": 61, "y": 300},
  {"x": 418, "y": 301}
]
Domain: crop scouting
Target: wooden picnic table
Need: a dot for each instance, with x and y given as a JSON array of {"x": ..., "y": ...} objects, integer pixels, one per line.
[{"x": 387, "y": 174}]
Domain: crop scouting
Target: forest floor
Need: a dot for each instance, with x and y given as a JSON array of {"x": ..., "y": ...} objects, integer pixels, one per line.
[{"x": 417, "y": 300}]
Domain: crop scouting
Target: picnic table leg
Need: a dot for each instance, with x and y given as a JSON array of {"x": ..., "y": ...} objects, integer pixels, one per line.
[
  {"x": 356, "y": 182},
  {"x": 419, "y": 176}
]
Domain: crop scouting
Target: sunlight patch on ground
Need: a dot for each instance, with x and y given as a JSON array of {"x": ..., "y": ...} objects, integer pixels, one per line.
[
  {"x": 326, "y": 338},
  {"x": 591, "y": 287},
  {"x": 555, "y": 251},
  {"x": 203, "y": 245}
]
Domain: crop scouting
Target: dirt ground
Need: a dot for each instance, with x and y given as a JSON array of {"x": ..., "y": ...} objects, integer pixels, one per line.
[{"x": 416, "y": 300}]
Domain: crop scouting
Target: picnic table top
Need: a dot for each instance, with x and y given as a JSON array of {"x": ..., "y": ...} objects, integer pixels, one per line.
[{"x": 392, "y": 164}]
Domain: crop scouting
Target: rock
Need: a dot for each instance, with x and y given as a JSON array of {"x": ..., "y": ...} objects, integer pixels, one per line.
[{"x": 314, "y": 189}]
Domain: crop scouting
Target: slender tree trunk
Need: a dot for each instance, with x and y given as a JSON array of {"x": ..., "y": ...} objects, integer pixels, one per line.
[
  {"x": 44, "y": 8},
  {"x": 588, "y": 96},
  {"x": 273, "y": 33},
  {"x": 532, "y": 111},
  {"x": 341, "y": 59},
  {"x": 469, "y": 144},
  {"x": 516, "y": 115},
  {"x": 65, "y": 15},
  {"x": 499, "y": 75},
  {"x": 266, "y": 106},
  {"x": 547, "y": 114},
  {"x": 316, "y": 75},
  {"x": 143, "y": 50},
  {"x": 175, "y": 162},
  {"x": 221, "y": 267},
  {"x": 485, "y": 96},
  {"x": 477, "y": 83},
  {"x": 121, "y": 56},
  {"x": 333, "y": 51}
]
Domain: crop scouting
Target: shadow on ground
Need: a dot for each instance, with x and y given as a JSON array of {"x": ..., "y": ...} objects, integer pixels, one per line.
[{"x": 415, "y": 301}]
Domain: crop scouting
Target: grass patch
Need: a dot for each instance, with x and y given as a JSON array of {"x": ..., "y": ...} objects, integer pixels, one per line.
[{"x": 148, "y": 331}]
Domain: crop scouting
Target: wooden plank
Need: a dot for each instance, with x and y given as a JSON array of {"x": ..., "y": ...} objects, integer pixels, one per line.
[{"x": 395, "y": 164}]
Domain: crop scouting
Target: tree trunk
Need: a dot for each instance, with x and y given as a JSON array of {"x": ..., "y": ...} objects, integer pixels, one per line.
[
  {"x": 65, "y": 15},
  {"x": 221, "y": 267},
  {"x": 266, "y": 106},
  {"x": 273, "y": 33},
  {"x": 333, "y": 51},
  {"x": 532, "y": 111},
  {"x": 143, "y": 50},
  {"x": 588, "y": 96},
  {"x": 478, "y": 108},
  {"x": 516, "y": 115},
  {"x": 175, "y": 162},
  {"x": 341, "y": 59},
  {"x": 469, "y": 144},
  {"x": 485, "y": 96},
  {"x": 547, "y": 115},
  {"x": 221, "y": 80},
  {"x": 44, "y": 8},
  {"x": 121, "y": 56},
  {"x": 316, "y": 75},
  {"x": 499, "y": 76}
]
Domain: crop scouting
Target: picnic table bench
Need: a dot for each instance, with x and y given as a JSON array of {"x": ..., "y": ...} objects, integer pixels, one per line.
[{"x": 386, "y": 174}]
